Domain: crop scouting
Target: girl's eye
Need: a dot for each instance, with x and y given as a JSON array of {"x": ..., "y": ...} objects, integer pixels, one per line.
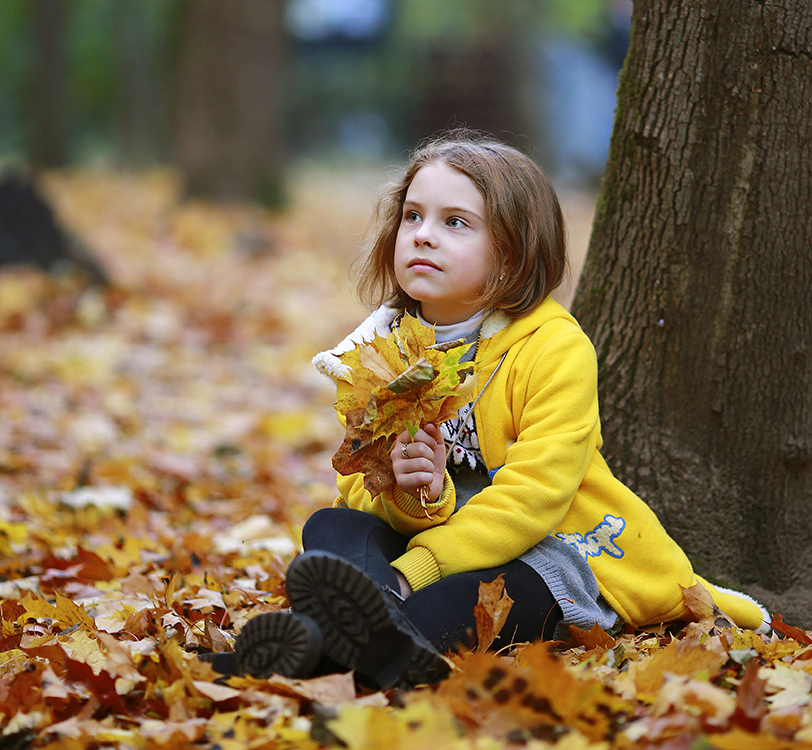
[
  {"x": 411, "y": 216},
  {"x": 455, "y": 222}
]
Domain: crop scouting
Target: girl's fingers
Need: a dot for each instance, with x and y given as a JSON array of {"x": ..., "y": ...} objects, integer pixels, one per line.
[
  {"x": 429, "y": 436},
  {"x": 415, "y": 464},
  {"x": 417, "y": 480},
  {"x": 433, "y": 431},
  {"x": 419, "y": 462},
  {"x": 407, "y": 448}
]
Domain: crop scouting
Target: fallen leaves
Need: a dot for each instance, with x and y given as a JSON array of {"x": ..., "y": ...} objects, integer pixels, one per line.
[{"x": 161, "y": 445}]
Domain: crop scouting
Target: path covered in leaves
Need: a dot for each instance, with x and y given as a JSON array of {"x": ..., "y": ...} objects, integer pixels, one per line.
[{"x": 161, "y": 444}]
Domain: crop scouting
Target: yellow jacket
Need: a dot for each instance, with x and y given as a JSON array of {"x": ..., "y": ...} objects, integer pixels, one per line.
[{"x": 539, "y": 432}]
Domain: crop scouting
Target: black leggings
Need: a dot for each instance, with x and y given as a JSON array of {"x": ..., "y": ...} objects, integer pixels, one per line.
[{"x": 442, "y": 611}]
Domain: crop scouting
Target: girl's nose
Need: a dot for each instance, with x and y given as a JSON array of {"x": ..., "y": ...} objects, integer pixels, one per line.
[{"x": 424, "y": 235}]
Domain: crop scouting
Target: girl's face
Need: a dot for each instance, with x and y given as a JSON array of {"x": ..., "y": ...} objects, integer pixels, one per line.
[{"x": 443, "y": 250}]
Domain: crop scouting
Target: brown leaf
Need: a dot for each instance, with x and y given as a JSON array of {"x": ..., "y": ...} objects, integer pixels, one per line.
[
  {"x": 84, "y": 565},
  {"x": 750, "y": 706},
  {"x": 491, "y": 612},
  {"x": 359, "y": 452},
  {"x": 701, "y": 605},
  {"x": 698, "y": 600}
]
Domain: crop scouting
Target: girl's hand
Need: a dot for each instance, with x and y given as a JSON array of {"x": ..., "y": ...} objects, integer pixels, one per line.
[{"x": 423, "y": 462}]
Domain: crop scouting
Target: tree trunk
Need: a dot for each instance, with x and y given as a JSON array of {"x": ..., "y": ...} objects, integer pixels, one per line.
[
  {"x": 229, "y": 124},
  {"x": 697, "y": 290},
  {"x": 140, "y": 102},
  {"x": 46, "y": 100}
]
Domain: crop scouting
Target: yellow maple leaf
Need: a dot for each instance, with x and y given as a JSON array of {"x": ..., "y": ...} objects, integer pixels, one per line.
[
  {"x": 66, "y": 612},
  {"x": 647, "y": 676},
  {"x": 401, "y": 381},
  {"x": 535, "y": 692}
]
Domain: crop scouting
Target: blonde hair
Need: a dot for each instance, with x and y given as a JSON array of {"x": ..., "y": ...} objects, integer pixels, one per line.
[{"x": 522, "y": 214}]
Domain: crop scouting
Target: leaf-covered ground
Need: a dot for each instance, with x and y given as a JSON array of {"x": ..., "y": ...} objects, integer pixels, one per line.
[{"x": 161, "y": 444}]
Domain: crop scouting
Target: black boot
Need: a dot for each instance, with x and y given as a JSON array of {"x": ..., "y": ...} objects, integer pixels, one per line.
[
  {"x": 283, "y": 643},
  {"x": 363, "y": 628}
]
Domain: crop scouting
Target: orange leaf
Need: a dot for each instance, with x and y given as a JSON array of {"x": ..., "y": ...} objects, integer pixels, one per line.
[
  {"x": 536, "y": 693},
  {"x": 597, "y": 637},
  {"x": 491, "y": 612},
  {"x": 738, "y": 739},
  {"x": 790, "y": 630}
]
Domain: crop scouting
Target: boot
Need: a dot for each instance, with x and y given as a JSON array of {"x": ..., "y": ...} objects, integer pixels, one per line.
[
  {"x": 362, "y": 626},
  {"x": 283, "y": 643}
]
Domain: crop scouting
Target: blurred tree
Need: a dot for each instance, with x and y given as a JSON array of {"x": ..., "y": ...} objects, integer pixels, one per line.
[
  {"x": 84, "y": 77},
  {"x": 46, "y": 98},
  {"x": 138, "y": 100},
  {"x": 141, "y": 63},
  {"x": 229, "y": 98},
  {"x": 465, "y": 62},
  {"x": 698, "y": 286}
]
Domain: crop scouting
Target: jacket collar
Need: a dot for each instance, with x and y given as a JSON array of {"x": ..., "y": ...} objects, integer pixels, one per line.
[
  {"x": 495, "y": 323},
  {"x": 379, "y": 323}
]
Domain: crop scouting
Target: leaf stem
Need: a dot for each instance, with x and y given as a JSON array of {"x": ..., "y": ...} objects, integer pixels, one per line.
[{"x": 423, "y": 494}]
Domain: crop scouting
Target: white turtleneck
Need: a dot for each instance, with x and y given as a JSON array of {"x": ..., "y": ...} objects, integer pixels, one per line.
[{"x": 454, "y": 331}]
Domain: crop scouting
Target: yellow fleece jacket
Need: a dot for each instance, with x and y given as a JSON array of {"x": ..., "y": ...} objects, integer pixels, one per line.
[{"x": 539, "y": 432}]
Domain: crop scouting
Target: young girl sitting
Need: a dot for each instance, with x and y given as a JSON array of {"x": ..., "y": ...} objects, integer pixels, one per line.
[{"x": 472, "y": 243}]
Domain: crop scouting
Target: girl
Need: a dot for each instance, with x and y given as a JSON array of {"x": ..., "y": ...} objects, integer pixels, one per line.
[{"x": 472, "y": 243}]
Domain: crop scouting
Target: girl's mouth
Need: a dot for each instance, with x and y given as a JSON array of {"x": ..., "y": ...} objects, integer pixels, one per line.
[{"x": 422, "y": 264}]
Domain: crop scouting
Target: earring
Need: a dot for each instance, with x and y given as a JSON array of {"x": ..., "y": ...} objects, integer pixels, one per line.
[{"x": 501, "y": 277}]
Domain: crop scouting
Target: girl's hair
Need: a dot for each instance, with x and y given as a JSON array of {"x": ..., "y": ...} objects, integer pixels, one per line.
[{"x": 522, "y": 215}]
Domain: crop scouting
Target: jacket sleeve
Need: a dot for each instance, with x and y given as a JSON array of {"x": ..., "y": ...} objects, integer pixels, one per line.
[
  {"x": 541, "y": 427},
  {"x": 404, "y": 513}
]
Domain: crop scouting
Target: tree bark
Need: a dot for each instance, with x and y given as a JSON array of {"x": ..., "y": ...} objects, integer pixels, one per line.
[
  {"x": 697, "y": 290},
  {"x": 229, "y": 118}
]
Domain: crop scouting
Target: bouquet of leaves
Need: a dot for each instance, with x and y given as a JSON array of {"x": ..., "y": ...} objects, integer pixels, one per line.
[{"x": 399, "y": 382}]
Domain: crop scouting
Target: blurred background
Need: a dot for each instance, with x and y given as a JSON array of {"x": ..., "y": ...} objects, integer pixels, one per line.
[
  {"x": 213, "y": 167},
  {"x": 238, "y": 98},
  {"x": 233, "y": 93}
]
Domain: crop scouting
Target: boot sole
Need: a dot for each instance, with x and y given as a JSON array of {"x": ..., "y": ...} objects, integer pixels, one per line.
[
  {"x": 362, "y": 629},
  {"x": 224, "y": 662},
  {"x": 279, "y": 643}
]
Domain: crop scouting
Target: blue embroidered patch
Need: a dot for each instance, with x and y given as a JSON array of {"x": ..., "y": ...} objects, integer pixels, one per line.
[{"x": 601, "y": 539}]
